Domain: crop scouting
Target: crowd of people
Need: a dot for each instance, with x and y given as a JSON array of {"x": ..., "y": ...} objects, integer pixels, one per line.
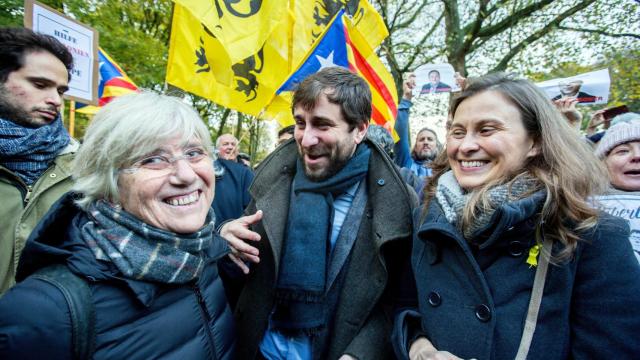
[{"x": 514, "y": 237}]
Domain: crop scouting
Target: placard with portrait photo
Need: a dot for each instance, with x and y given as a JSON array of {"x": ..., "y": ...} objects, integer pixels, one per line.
[
  {"x": 434, "y": 79},
  {"x": 589, "y": 88}
]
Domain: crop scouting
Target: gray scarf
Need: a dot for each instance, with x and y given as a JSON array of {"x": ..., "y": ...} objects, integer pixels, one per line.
[
  {"x": 453, "y": 199},
  {"x": 141, "y": 251}
]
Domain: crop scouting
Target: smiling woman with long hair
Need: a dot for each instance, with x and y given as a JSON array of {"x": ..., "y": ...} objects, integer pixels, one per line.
[{"x": 511, "y": 259}]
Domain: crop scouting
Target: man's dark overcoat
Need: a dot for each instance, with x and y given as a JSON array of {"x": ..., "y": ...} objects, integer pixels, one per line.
[{"x": 375, "y": 270}]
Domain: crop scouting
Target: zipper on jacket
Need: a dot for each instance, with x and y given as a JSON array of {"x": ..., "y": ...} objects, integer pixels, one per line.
[
  {"x": 207, "y": 317},
  {"x": 28, "y": 194}
]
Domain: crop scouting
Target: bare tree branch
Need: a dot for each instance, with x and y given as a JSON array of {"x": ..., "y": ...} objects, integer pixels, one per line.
[
  {"x": 475, "y": 26},
  {"x": 502, "y": 65},
  {"x": 514, "y": 18},
  {"x": 412, "y": 18},
  {"x": 598, "y": 31}
]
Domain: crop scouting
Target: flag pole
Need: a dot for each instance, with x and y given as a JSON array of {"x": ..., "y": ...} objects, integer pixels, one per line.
[{"x": 72, "y": 117}]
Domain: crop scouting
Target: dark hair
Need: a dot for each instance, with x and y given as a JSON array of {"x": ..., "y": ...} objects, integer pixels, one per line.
[
  {"x": 18, "y": 42},
  {"x": 433, "y": 71},
  {"x": 342, "y": 88},
  {"x": 287, "y": 130}
]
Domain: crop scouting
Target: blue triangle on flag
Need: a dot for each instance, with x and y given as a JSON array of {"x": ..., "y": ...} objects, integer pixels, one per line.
[{"x": 330, "y": 51}]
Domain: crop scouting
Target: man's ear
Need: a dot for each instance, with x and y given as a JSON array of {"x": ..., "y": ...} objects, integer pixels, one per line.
[{"x": 360, "y": 131}]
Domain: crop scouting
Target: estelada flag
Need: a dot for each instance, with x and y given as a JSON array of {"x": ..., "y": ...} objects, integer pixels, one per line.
[
  {"x": 343, "y": 45},
  {"x": 114, "y": 82}
]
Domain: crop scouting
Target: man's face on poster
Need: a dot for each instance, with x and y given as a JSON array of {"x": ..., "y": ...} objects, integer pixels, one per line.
[
  {"x": 570, "y": 88},
  {"x": 434, "y": 77}
]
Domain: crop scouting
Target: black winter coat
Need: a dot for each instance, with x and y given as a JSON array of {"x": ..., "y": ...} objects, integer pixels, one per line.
[
  {"x": 134, "y": 319},
  {"x": 473, "y": 299}
]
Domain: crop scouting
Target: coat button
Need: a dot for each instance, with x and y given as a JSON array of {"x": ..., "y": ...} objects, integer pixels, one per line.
[
  {"x": 516, "y": 248},
  {"x": 483, "y": 313},
  {"x": 381, "y": 182},
  {"x": 434, "y": 299},
  {"x": 52, "y": 175}
]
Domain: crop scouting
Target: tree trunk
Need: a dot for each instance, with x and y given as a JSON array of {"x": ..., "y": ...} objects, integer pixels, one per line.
[
  {"x": 223, "y": 122},
  {"x": 239, "y": 125}
]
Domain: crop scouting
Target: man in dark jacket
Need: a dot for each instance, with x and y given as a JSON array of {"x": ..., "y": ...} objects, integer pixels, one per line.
[
  {"x": 232, "y": 189},
  {"x": 335, "y": 233}
]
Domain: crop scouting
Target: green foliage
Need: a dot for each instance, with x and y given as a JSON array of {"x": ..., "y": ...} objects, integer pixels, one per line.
[
  {"x": 11, "y": 12},
  {"x": 134, "y": 33}
]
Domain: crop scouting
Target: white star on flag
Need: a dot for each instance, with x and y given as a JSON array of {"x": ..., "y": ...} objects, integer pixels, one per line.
[{"x": 325, "y": 62}]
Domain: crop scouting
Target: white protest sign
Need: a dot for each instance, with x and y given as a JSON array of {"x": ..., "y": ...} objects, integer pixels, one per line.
[
  {"x": 435, "y": 78},
  {"x": 80, "y": 39},
  {"x": 589, "y": 88},
  {"x": 626, "y": 206}
]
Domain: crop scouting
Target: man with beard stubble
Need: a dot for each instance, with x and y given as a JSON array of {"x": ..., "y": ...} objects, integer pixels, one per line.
[
  {"x": 426, "y": 147},
  {"x": 334, "y": 237},
  {"x": 35, "y": 149}
]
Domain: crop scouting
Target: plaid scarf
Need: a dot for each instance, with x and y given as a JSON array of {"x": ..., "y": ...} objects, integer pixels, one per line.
[
  {"x": 141, "y": 251},
  {"x": 453, "y": 199},
  {"x": 29, "y": 151}
]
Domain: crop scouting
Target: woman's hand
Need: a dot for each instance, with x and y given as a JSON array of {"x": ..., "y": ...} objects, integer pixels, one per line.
[
  {"x": 422, "y": 349},
  {"x": 460, "y": 80},
  {"x": 597, "y": 119},
  {"x": 236, "y": 233},
  {"x": 567, "y": 107}
]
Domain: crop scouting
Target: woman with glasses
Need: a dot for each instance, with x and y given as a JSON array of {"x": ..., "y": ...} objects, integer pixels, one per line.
[
  {"x": 139, "y": 232},
  {"x": 511, "y": 259}
]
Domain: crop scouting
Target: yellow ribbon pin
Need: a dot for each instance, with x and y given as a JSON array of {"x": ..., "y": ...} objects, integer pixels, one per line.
[{"x": 532, "y": 259}]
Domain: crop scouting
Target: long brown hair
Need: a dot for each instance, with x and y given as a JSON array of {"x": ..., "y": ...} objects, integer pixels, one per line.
[{"x": 565, "y": 165}]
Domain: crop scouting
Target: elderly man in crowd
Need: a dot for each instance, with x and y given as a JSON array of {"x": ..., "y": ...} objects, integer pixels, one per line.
[
  {"x": 330, "y": 258},
  {"x": 227, "y": 146},
  {"x": 426, "y": 146},
  {"x": 35, "y": 149}
]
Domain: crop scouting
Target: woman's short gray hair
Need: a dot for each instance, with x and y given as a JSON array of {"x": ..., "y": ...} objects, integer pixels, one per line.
[{"x": 125, "y": 130}]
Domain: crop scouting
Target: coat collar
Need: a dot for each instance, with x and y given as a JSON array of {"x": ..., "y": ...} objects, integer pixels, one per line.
[
  {"x": 271, "y": 191},
  {"x": 505, "y": 218}
]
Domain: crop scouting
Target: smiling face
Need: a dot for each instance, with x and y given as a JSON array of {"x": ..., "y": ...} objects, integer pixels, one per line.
[
  {"x": 487, "y": 140},
  {"x": 623, "y": 163},
  {"x": 176, "y": 199},
  {"x": 32, "y": 95},
  {"x": 228, "y": 147},
  {"x": 324, "y": 140}
]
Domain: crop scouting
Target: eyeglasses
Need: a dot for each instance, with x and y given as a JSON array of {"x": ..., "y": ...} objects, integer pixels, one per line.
[{"x": 161, "y": 162}]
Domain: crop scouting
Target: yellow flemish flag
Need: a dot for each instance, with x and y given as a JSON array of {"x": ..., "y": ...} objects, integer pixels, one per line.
[
  {"x": 241, "y": 26},
  {"x": 199, "y": 64},
  {"x": 370, "y": 24}
]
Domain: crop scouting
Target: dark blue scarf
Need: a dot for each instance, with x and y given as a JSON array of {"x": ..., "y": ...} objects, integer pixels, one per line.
[
  {"x": 29, "y": 151},
  {"x": 301, "y": 293}
]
